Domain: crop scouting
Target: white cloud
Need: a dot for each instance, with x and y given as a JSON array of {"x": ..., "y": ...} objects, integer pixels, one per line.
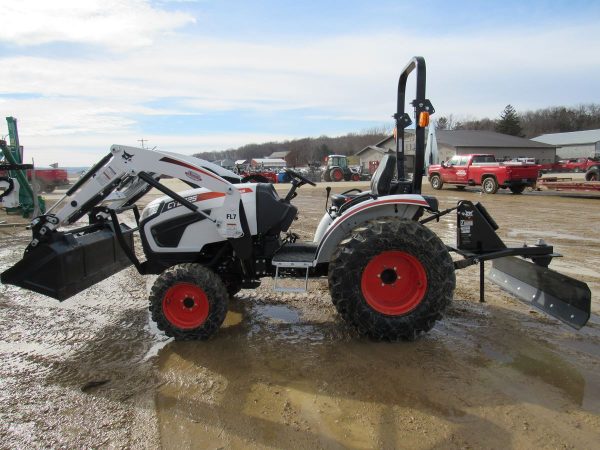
[
  {"x": 118, "y": 24},
  {"x": 91, "y": 101}
]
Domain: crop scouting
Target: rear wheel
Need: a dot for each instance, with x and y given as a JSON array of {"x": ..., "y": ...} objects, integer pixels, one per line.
[
  {"x": 490, "y": 185},
  {"x": 392, "y": 279},
  {"x": 188, "y": 301},
  {"x": 593, "y": 174},
  {"x": 336, "y": 174},
  {"x": 436, "y": 182},
  {"x": 49, "y": 189},
  {"x": 517, "y": 189}
]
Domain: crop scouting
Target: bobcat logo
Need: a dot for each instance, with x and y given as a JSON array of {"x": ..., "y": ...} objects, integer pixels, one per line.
[
  {"x": 126, "y": 156},
  {"x": 193, "y": 175}
]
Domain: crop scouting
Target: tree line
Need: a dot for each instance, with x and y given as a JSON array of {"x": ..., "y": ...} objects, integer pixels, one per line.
[
  {"x": 306, "y": 150},
  {"x": 529, "y": 124}
]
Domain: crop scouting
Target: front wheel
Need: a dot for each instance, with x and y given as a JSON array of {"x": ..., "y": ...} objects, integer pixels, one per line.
[
  {"x": 188, "y": 302},
  {"x": 490, "y": 185},
  {"x": 391, "y": 279},
  {"x": 436, "y": 182},
  {"x": 336, "y": 174}
]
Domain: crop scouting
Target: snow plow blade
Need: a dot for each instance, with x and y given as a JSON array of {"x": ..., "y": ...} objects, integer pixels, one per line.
[
  {"x": 71, "y": 261},
  {"x": 558, "y": 295}
]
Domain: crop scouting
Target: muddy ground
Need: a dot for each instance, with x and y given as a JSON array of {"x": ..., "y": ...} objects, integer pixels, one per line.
[{"x": 286, "y": 372}]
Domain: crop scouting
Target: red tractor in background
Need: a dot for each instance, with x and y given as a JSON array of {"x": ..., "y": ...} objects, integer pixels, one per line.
[{"x": 338, "y": 170}]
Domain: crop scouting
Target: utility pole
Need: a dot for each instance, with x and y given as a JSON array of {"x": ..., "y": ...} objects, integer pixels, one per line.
[{"x": 142, "y": 140}]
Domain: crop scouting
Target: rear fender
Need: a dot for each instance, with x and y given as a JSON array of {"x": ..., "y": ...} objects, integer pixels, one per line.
[{"x": 400, "y": 206}]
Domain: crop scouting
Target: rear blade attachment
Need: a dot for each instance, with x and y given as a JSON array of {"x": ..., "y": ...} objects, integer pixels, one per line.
[
  {"x": 558, "y": 295},
  {"x": 71, "y": 261}
]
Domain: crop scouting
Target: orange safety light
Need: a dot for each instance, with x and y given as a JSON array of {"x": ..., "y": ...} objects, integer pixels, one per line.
[
  {"x": 396, "y": 133},
  {"x": 423, "y": 119}
]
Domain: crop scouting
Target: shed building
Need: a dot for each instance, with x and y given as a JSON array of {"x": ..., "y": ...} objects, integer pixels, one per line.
[
  {"x": 502, "y": 146},
  {"x": 575, "y": 144},
  {"x": 268, "y": 163}
]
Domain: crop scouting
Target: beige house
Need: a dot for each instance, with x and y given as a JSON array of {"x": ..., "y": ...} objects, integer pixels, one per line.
[{"x": 371, "y": 155}]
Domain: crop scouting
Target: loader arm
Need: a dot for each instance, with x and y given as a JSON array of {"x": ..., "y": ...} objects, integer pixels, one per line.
[{"x": 127, "y": 173}]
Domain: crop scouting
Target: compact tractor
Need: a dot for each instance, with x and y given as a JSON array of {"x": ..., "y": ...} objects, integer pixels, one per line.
[
  {"x": 389, "y": 275},
  {"x": 338, "y": 170}
]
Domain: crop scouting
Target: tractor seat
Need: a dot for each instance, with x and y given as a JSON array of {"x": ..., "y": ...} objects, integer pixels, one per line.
[{"x": 380, "y": 184}]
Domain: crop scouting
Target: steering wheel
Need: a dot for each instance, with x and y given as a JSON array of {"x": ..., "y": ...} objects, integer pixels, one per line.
[{"x": 299, "y": 177}]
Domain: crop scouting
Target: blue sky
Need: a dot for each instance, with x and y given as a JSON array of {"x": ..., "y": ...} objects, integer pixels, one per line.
[{"x": 207, "y": 75}]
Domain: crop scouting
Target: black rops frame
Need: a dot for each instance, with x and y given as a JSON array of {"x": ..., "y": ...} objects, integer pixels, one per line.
[{"x": 403, "y": 120}]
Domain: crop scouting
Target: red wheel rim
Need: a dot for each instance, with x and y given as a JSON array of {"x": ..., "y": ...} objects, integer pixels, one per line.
[
  {"x": 185, "y": 305},
  {"x": 355, "y": 177},
  {"x": 337, "y": 175},
  {"x": 394, "y": 283}
]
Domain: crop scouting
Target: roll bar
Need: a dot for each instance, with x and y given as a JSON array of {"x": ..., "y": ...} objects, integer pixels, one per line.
[{"x": 403, "y": 120}]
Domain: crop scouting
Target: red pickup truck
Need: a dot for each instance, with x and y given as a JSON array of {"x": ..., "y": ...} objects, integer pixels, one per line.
[
  {"x": 483, "y": 170},
  {"x": 46, "y": 179}
]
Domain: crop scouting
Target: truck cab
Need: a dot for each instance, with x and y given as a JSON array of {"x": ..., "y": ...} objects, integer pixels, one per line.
[{"x": 484, "y": 170}]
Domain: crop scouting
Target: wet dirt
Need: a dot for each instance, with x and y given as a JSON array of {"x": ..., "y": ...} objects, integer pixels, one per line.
[{"x": 286, "y": 372}]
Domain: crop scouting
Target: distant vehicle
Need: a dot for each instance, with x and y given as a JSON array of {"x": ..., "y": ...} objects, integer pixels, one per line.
[
  {"x": 483, "y": 170},
  {"x": 577, "y": 164},
  {"x": 46, "y": 180},
  {"x": 338, "y": 169}
]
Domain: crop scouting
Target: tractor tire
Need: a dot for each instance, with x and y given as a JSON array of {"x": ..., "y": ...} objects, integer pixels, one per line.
[
  {"x": 517, "y": 189},
  {"x": 9, "y": 188},
  {"x": 436, "y": 182},
  {"x": 188, "y": 302},
  {"x": 326, "y": 176},
  {"x": 489, "y": 185},
  {"x": 355, "y": 177},
  {"x": 391, "y": 279},
  {"x": 49, "y": 189},
  {"x": 593, "y": 174},
  {"x": 347, "y": 176},
  {"x": 336, "y": 174}
]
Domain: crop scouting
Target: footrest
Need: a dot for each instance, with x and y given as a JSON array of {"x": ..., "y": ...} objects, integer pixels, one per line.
[{"x": 295, "y": 255}]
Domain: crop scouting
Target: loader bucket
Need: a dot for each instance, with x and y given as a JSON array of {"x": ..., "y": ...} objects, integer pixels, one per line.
[
  {"x": 558, "y": 295},
  {"x": 71, "y": 262}
]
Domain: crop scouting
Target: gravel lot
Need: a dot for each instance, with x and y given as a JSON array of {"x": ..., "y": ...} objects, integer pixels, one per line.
[{"x": 286, "y": 372}]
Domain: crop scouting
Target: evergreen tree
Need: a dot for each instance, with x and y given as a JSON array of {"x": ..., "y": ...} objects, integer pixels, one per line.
[{"x": 509, "y": 122}]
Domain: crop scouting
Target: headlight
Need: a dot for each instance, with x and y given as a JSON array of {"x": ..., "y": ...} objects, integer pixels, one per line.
[{"x": 150, "y": 210}]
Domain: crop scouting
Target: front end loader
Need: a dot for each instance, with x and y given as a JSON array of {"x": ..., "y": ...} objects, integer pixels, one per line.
[{"x": 389, "y": 275}]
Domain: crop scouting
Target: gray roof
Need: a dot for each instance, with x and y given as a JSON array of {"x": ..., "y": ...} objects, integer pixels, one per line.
[
  {"x": 570, "y": 138},
  {"x": 478, "y": 138},
  {"x": 280, "y": 154},
  {"x": 377, "y": 147}
]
